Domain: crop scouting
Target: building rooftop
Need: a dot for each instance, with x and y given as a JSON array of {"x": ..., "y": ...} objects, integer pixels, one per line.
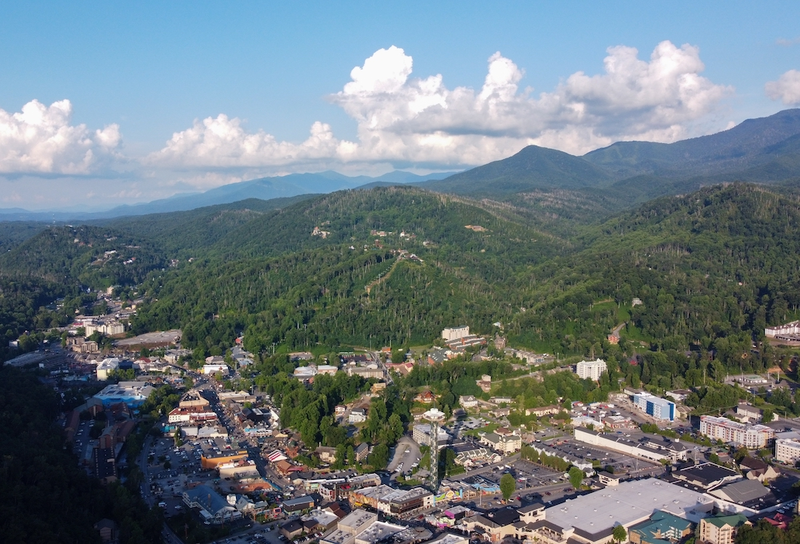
[
  {"x": 299, "y": 501},
  {"x": 734, "y": 520},
  {"x": 535, "y": 507},
  {"x": 660, "y": 523},
  {"x": 206, "y": 496},
  {"x": 377, "y": 532},
  {"x": 744, "y": 492},
  {"x": 627, "y": 503},
  {"x": 450, "y": 538},
  {"x": 705, "y": 474},
  {"x": 357, "y": 520}
]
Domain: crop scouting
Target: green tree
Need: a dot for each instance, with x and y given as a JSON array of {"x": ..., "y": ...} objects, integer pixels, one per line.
[
  {"x": 575, "y": 477},
  {"x": 379, "y": 457},
  {"x": 619, "y": 533},
  {"x": 769, "y": 415},
  {"x": 507, "y": 485}
]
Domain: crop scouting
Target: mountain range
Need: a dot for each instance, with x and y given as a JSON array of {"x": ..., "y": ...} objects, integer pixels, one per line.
[{"x": 764, "y": 150}]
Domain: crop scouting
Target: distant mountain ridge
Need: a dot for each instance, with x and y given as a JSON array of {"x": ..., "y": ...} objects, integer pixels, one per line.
[
  {"x": 268, "y": 188},
  {"x": 765, "y": 150},
  {"x": 752, "y": 143}
]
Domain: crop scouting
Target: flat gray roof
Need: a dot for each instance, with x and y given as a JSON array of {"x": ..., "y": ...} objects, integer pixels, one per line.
[{"x": 627, "y": 503}]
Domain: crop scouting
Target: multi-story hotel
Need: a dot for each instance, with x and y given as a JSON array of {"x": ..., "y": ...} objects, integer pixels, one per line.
[{"x": 739, "y": 434}]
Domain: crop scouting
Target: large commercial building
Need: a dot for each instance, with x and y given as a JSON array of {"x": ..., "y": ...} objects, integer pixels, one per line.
[
  {"x": 591, "y": 518},
  {"x": 738, "y": 434},
  {"x": 212, "y": 506},
  {"x": 655, "y": 406},
  {"x": 591, "y": 369},
  {"x": 653, "y": 449}
]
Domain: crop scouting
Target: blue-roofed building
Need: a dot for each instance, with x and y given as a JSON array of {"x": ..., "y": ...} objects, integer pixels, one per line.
[
  {"x": 657, "y": 407},
  {"x": 212, "y": 506},
  {"x": 662, "y": 527}
]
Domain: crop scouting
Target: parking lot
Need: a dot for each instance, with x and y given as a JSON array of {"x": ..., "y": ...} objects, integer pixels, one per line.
[{"x": 527, "y": 475}]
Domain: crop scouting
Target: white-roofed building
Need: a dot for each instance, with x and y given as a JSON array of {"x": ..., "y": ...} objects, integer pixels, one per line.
[
  {"x": 105, "y": 367},
  {"x": 215, "y": 368},
  {"x": 591, "y": 518}
]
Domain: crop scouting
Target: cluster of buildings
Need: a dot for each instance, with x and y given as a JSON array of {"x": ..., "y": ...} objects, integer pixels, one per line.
[
  {"x": 649, "y": 510},
  {"x": 100, "y": 456},
  {"x": 352, "y": 364},
  {"x": 107, "y": 325}
]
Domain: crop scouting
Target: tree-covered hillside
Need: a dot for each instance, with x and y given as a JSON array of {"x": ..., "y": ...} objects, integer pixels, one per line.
[
  {"x": 93, "y": 256},
  {"x": 394, "y": 265},
  {"x": 712, "y": 269},
  {"x": 397, "y": 264}
]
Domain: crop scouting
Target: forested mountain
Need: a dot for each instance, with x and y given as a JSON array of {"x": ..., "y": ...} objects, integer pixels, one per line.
[
  {"x": 626, "y": 174},
  {"x": 186, "y": 233},
  {"x": 270, "y": 188},
  {"x": 94, "y": 256},
  {"x": 532, "y": 168},
  {"x": 355, "y": 282},
  {"x": 396, "y": 264},
  {"x": 712, "y": 269}
]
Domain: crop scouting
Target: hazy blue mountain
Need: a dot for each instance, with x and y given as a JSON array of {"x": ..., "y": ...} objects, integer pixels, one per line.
[
  {"x": 749, "y": 145},
  {"x": 263, "y": 189}
]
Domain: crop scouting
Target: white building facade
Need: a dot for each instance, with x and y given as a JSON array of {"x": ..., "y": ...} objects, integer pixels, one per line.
[
  {"x": 591, "y": 369},
  {"x": 787, "y": 450}
]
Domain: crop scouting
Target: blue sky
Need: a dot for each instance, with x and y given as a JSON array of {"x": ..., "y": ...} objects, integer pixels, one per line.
[{"x": 137, "y": 101}]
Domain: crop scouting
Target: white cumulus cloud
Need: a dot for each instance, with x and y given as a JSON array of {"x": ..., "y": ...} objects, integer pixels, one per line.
[
  {"x": 403, "y": 120},
  {"x": 786, "y": 88},
  {"x": 221, "y": 142},
  {"x": 40, "y": 139}
]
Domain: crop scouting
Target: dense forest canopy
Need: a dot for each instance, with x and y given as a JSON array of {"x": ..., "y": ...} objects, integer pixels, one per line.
[{"x": 398, "y": 264}]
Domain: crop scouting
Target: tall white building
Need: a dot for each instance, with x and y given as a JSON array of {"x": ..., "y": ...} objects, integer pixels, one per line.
[
  {"x": 591, "y": 369},
  {"x": 454, "y": 333}
]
